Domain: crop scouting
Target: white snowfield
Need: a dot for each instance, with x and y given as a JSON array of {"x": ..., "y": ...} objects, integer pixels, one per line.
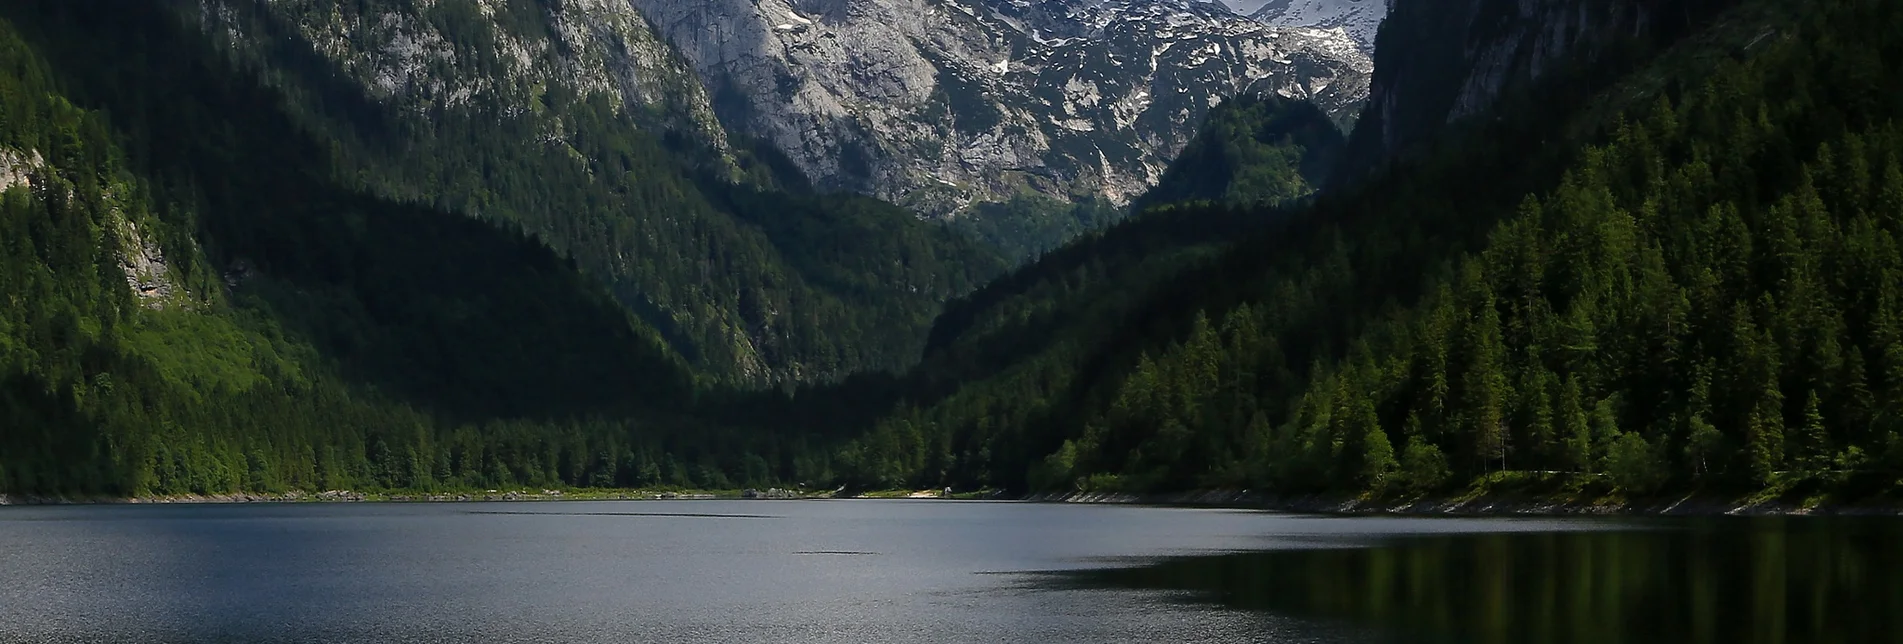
[{"x": 1360, "y": 18}]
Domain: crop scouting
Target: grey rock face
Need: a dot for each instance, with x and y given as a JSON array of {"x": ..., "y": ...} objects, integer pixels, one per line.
[
  {"x": 935, "y": 104},
  {"x": 145, "y": 268},
  {"x": 16, "y": 169},
  {"x": 1448, "y": 60},
  {"x": 404, "y": 56},
  {"x": 1360, "y": 18},
  {"x": 147, "y": 274}
]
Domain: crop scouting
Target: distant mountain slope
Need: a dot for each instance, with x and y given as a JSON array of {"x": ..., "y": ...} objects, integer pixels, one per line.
[
  {"x": 1466, "y": 58},
  {"x": 138, "y": 356},
  {"x": 227, "y": 267},
  {"x": 1253, "y": 151},
  {"x": 937, "y": 104},
  {"x": 575, "y": 122},
  {"x": 1669, "y": 268}
]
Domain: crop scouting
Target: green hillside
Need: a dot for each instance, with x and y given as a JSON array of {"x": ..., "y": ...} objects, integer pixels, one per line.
[
  {"x": 648, "y": 209},
  {"x": 1675, "y": 273},
  {"x": 1683, "y": 283},
  {"x": 198, "y": 304}
]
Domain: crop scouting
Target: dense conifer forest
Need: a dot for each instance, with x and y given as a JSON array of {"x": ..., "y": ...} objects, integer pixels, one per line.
[
  {"x": 294, "y": 326},
  {"x": 1680, "y": 274},
  {"x": 751, "y": 277},
  {"x": 1697, "y": 296}
]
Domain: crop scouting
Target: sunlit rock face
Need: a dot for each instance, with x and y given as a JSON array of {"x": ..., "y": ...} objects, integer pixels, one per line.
[
  {"x": 936, "y": 104},
  {"x": 408, "y": 55},
  {"x": 1360, "y": 18}
]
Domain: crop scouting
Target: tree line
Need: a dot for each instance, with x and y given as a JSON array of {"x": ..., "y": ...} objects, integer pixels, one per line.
[{"x": 1703, "y": 299}]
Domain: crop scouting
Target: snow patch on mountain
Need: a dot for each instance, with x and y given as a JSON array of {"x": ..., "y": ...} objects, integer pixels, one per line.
[
  {"x": 936, "y": 104},
  {"x": 1361, "y": 19}
]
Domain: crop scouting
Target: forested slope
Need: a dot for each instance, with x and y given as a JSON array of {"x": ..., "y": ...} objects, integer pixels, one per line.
[
  {"x": 1668, "y": 268},
  {"x": 1695, "y": 294},
  {"x": 195, "y": 305},
  {"x": 494, "y": 109},
  {"x": 1001, "y": 358}
]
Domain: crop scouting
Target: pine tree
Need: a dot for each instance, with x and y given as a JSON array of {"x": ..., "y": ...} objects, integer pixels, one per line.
[
  {"x": 1812, "y": 443},
  {"x": 1576, "y": 429},
  {"x": 1540, "y": 431},
  {"x": 1605, "y": 428},
  {"x": 1423, "y": 467},
  {"x": 1486, "y": 388},
  {"x": 1378, "y": 458},
  {"x": 1764, "y": 435},
  {"x": 1703, "y": 442}
]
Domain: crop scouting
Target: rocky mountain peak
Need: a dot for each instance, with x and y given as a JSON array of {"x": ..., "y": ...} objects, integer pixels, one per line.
[
  {"x": 937, "y": 104},
  {"x": 1361, "y": 19}
]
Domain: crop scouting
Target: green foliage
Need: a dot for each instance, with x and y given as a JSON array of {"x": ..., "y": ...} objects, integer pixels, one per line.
[
  {"x": 1055, "y": 473},
  {"x": 751, "y": 287},
  {"x": 1252, "y": 150},
  {"x": 1635, "y": 466},
  {"x": 1703, "y": 295},
  {"x": 1422, "y": 469},
  {"x": 346, "y": 340},
  {"x": 1378, "y": 460},
  {"x": 1707, "y": 294},
  {"x": 1030, "y": 225}
]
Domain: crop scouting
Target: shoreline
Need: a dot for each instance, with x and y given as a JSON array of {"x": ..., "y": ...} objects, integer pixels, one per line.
[
  {"x": 1480, "y": 506},
  {"x": 1468, "y": 506},
  {"x": 463, "y": 496}
]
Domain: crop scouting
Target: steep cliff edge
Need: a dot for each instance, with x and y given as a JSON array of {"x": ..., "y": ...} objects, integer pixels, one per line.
[
  {"x": 1438, "y": 62},
  {"x": 433, "y": 57}
]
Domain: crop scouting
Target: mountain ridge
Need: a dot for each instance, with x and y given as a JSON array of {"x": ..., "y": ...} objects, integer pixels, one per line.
[
  {"x": 575, "y": 122},
  {"x": 1361, "y": 19},
  {"x": 937, "y": 104}
]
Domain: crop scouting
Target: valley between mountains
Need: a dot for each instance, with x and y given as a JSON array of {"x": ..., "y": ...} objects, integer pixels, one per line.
[{"x": 1390, "y": 250}]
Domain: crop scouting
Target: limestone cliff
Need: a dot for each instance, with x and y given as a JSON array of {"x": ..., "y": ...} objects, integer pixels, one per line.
[
  {"x": 935, "y": 104},
  {"x": 421, "y": 55}
]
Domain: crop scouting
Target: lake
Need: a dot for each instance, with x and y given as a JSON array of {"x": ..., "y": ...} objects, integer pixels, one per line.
[{"x": 928, "y": 571}]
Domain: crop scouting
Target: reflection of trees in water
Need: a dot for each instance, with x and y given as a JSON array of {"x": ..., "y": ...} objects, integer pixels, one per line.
[{"x": 1742, "y": 581}]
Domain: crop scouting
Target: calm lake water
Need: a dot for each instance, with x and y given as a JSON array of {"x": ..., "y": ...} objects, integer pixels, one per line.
[{"x": 928, "y": 571}]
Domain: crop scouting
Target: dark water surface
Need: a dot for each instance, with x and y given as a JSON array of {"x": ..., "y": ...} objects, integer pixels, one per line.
[{"x": 928, "y": 571}]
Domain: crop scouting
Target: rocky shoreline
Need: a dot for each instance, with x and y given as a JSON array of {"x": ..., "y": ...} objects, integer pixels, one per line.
[
  {"x": 1478, "y": 506},
  {"x": 349, "y": 496},
  {"x": 1235, "y": 499}
]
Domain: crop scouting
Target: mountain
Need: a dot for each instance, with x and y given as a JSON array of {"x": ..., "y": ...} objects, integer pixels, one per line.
[
  {"x": 576, "y": 122},
  {"x": 358, "y": 335},
  {"x": 1360, "y": 18},
  {"x": 1252, "y": 150},
  {"x": 1612, "y": 259},
  {"x": 1574, "y": 249},
  {"x": 940, "y": 104},
  {"x": 392, "y": 245},
  {"x": 1466, "y": 59}
]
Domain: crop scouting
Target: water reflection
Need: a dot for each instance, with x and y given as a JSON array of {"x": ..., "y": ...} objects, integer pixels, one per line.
[{"x": 1731, "y": 581}]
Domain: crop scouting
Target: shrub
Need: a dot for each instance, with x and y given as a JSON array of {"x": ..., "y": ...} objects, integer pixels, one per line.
[
  {"x": 1634, "y": 465},
  {"x": 1423, "y": 467}
]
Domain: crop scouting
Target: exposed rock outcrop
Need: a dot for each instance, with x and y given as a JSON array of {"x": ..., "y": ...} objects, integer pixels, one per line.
[
  {"x": 144, "y": 265},
  {"x": 143, "y": 262},
  {"x": 419, "y": 55},
  {"x": 1441, "y": 61},
  {"x": 16, "y": 169},
  {"x": 935, "y": 104}
]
